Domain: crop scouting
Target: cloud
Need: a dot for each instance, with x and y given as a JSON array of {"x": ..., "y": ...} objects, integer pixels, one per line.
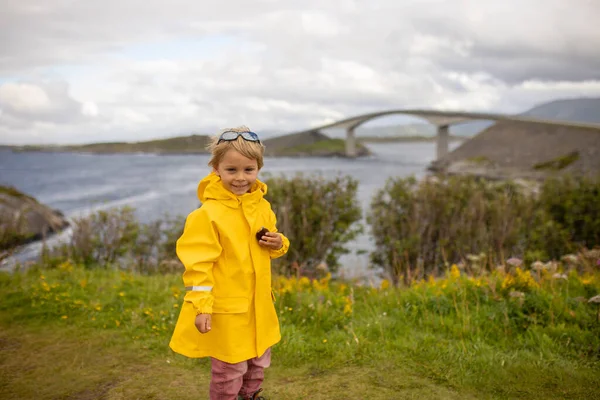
[
  {"x": 518, "y": 41},
  {"x": 134, "y": 70},
  {"x": 44, "y": 102}
]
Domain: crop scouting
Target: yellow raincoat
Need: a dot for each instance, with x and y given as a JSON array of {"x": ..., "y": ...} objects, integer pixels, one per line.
[{"x": 227, "y": 274}]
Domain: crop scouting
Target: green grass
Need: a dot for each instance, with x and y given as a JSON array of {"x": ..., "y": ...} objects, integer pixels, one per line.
[
  {"x": 558, "y": 163},
  {"x": 72, "y": 333},
  {"x": 321, "y": 147},
  {"x": 481, "y": 160}
]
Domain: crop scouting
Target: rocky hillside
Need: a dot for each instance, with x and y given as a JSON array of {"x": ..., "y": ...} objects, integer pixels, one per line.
[
  {"x": 529, "y": 151},
  {"x": 521, "y": 150},
  {"x": 23, "y": 219}
]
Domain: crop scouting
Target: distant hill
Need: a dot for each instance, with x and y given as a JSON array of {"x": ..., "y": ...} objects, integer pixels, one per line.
[
  {"x": 511, "y": 149},
  {"x": 309, "y": 144},
  {"x": 301, "y": 144},
  {"x": 192, "y": 144},
  {"x": 277, "y": 144},
  {"x": 585, "y": 110}
]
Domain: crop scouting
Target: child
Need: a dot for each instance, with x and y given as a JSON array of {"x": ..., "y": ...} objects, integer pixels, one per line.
[{"x": 228, "y": 312}]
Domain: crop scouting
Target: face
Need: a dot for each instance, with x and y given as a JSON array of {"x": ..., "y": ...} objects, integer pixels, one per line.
[{"x": 238, "y": 173}]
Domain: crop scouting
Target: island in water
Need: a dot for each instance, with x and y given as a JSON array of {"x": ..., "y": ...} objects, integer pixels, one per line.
[{"x": 294, "y": 145}]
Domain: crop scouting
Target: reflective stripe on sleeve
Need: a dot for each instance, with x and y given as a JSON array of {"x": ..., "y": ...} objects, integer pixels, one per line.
[{"x": 198, "y": 288}]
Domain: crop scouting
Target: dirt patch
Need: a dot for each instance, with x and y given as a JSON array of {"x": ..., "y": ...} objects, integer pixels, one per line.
[
  {"x": 96, "y": 393},
  {"x": 9, "y": 344}
]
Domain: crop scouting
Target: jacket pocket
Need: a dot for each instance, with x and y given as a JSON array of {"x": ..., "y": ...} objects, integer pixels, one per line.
[{"x": 230, "y": 305}]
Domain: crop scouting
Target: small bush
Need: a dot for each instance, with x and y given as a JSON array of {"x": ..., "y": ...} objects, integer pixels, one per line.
[
  {"x": 104, "y": 236},
  {"x": 116, "y": 237},
  {"x": 318, "y": 216}
]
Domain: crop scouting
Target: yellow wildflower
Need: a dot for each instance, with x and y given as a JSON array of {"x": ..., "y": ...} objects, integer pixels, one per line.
[
  {"x": 454, "y": 272},
  {"x": 508, "y": 281},
  {"x": 348, "y": 305},
  {"x": 304, "y": 282},
  {"x": 525, "y": 279},
  {"x": 66, "y": 266}
]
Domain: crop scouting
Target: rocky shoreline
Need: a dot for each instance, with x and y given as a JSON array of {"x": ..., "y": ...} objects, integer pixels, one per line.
[{"x": 24, "y": 220}]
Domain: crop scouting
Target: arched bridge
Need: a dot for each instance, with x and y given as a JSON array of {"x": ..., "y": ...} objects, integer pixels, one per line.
[{"x": 441, "y": 119}]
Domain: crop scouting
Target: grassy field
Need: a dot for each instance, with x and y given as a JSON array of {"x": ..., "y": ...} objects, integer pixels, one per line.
[{"x": 75, "y": 333}]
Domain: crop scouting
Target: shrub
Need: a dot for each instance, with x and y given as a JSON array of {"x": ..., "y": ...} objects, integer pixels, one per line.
[
  {"x": 573, "y": 204},
  {"x": 115, "y": 236},
  {"x": 421, "y": 227},
  {"x": 154, "y": 251},
  {"x": 319, "y": 217},
  {"x": 103, "y": 237}
]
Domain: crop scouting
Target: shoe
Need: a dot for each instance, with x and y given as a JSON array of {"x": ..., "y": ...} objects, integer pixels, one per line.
[{"x": 255, "y": 396}]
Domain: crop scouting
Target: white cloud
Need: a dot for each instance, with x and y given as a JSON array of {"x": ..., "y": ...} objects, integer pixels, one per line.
[
  {"x": 132, "y": 70},
  {"x": 24, "y": 98},
  {"x": 41, "y": 102},
  {"x": 89, "y": 109}
]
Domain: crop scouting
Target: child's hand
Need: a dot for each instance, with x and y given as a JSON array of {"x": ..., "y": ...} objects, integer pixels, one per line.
[
  {"x": 271, "y": 240},
  {"x": 203, "y": 322}
]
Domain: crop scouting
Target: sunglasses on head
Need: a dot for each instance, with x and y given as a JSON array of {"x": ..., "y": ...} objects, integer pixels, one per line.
[{"x": 229, "y": 136}]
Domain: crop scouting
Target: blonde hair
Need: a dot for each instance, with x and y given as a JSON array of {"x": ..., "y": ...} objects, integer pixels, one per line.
[{"x": 251, "y": 150}]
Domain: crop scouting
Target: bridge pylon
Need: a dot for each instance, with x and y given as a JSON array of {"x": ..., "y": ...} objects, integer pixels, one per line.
[
  {"x": 443, "y": 138},
  {"x": 350, "y": 142}
]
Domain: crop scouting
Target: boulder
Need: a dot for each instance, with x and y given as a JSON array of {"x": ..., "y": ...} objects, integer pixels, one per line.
[{"x": 23, "y": 219}]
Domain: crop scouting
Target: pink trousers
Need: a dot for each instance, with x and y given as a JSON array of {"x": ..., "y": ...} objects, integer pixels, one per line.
[{"x": 244, "y": 378}]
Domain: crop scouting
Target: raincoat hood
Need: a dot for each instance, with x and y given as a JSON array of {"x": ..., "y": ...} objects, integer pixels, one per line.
[{"x": 211, "y": 188}]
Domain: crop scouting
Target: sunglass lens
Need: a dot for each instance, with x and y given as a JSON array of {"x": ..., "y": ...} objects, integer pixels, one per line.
[
  {"x": 229, "y": 136},
  {"x": 251, "y": 136}
]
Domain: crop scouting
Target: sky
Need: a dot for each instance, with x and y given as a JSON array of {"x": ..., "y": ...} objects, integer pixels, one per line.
[{"x": 82, "y": 71}]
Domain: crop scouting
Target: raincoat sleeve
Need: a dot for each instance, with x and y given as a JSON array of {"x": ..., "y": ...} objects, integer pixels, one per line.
[
  {"x": 286, "y": 241},
  {"x": 198, "y": 248}
]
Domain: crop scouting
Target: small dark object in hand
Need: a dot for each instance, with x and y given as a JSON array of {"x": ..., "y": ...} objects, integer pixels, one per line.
[{"x": 261, "y": 233}]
